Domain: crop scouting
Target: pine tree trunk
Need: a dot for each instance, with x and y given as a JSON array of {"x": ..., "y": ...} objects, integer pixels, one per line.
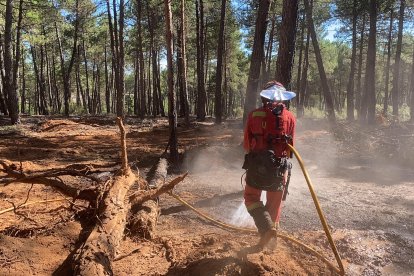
[
  {"x": 256, "y": 58},
  {"x": 65, "y": 77},
  {"x": 287, "y": 36},
  {"x": 350, "y": 87},
  {"x": 161, "y": 102},
  {"x": 219, "y": 68},
  {"x": 412, "y": 91},
  {"x": 81, "y": 91},
  {"x": 77, "y": 81},
  {"x": 3, "y": 77},
  {"x": 17, "y": 55},
  {"x": 98, "y": 98},
  {"x": 117, "y": 49},
  {"x": 201, "y": 92},
  {"x": 359, "y": 95},
  {"x": 269, "y": 50},
  {"x": 48, "y": 79},
  {"x": 396, "y": 77},
  {"x": 113, "y": 51},
  {"x": 136, "y": 83},
  {"x": 107, "y": 86},
  {"x": 387, "y": 68},
  {"x": 155, "y": 105},
  {"x": 3, "y": 95},
  {"x": 23, "y": 79},
  {"x": 66, "y": 71},
  {"x": 141, "y": 89},
  {"x": 57, "y": 105},
  {"x": 36, "y": 99},
  {"x": 299, "y": 73},
  {"x": 42, "y": 83},
  {"x": 121, "y": 62},
  {"x": 93, "y": 91},
  {"x": 3, "y": 107},
  {"x": 369, "y": 98},
  {"x": 179, "y": 85},
  {"x": 172, "y": 112},
  {"x": 66, "y": 88},
  {"x": 38, "y": 78},
  {"x": 225, "y": 104},
  {"x": 8, "y": 64},
  {"x": 183, "y": 62},
  {"x": 98, "y": 90},
  {"x": 148, "y": 87},
  {"x": 118, "y": 97},
  {"x": 87, "y": 87},
  {"x": 324, "y": 81}
]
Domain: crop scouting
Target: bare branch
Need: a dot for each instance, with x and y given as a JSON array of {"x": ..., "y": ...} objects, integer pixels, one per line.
[{"x": 142, "y": 196}]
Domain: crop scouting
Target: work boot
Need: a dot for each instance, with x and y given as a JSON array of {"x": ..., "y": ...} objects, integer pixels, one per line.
[
  {"x": 261, "y": 219},
  {"x": 264, "y": 225},
  {"x": 273, "y": 242},
  {"x": 266, "y": 237}
]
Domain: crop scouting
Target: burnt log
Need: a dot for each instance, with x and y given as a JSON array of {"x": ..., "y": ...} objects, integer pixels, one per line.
[
  {"x": 95, "y": 255},
  {"x": 145, "y": 210},
  {"x": 144, "y": 215},
  {"x": 143, "y": 219}
]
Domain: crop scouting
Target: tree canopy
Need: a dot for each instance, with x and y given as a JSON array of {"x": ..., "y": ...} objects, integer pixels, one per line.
[{"x": 94, "y": 56}]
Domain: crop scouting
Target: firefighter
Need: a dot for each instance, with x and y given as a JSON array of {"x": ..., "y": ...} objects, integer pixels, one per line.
[{"x": 268, "y": 130}]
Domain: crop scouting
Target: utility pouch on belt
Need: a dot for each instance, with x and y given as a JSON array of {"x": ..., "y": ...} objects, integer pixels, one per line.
[{"x": 265, "y": 171}]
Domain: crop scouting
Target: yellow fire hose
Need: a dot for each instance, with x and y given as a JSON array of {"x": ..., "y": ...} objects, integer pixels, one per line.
[
  {"x": 319, "y": 209},
  {"x": 340, "y": 270}
]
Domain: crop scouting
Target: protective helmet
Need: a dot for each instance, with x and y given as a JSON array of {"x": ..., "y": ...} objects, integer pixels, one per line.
[{"x": 275, "y": 91}]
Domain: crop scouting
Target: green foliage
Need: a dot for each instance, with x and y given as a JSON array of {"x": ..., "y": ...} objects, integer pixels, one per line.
[
  {"x": 77, "y": 109},
  {"x": 42, "y": 17}
]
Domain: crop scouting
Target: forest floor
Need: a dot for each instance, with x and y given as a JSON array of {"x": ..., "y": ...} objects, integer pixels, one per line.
[{"x": 364, "y": 179}]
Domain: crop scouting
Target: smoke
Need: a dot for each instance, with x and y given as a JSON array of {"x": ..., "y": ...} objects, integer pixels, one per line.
[
  {"x": 216, "y": 168},
  {"x": 240, "y": 217},
  {"x": 217, "y": 176},
  {"x": 337, "y": 172}
]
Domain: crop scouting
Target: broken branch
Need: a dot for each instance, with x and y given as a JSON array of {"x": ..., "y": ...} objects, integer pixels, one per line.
[
  {"x": 30, "y": 203},
  {"x": 142, "y": 196},
  {"x": 124, "y": 156}
]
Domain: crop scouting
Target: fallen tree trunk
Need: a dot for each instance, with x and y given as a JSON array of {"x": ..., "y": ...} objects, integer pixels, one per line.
[
  {"x": 143, "y": 219},
  {"x": 145, "y": 210},
  {"x": 144, "y": 216},
  {"x": 158, "y": 173},
  {"x": 95, "y": 255}
]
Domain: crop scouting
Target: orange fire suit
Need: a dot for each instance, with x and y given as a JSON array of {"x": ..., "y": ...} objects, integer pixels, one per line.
[{"x": 261, "y": 125}]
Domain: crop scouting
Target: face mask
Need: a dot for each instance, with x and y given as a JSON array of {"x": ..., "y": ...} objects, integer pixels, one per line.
[{"x": 277, "y": 108}]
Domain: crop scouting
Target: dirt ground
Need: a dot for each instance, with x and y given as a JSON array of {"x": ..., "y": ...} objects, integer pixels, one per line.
[{"x": 364, "y": 179}]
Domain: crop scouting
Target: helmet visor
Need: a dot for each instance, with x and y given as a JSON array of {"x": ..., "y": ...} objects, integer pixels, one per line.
[{"x": 277, "y": 93}]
